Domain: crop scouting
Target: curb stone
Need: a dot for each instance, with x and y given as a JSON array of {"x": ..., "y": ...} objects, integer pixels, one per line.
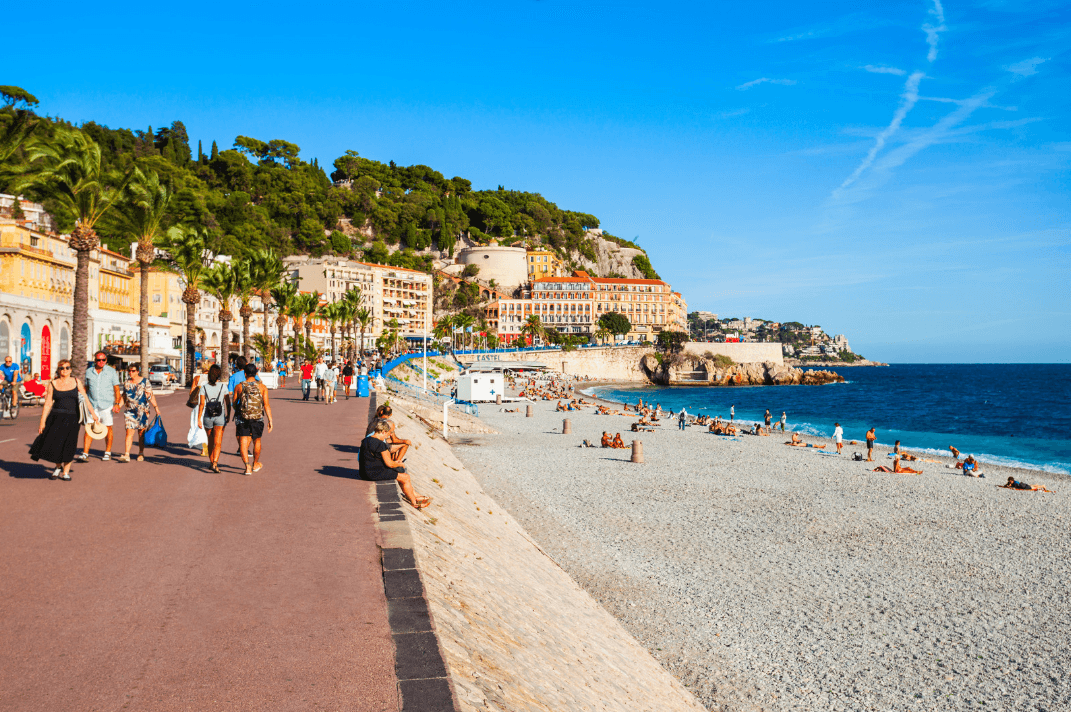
[{"x": 423, "y": 683}]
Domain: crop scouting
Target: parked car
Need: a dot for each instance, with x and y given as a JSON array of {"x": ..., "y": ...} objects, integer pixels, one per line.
[
  {"x": 176, "y": 376},
  {"x": 159, "y": 374}
]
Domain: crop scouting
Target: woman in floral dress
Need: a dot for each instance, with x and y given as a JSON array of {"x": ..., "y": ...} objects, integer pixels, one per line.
[{"x": 138, "y": 396}]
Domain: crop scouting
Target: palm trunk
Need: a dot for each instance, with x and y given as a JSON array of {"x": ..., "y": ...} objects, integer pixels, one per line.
[
  {"x": 225, "y": 346},
  {"x": 281, "y": 324},
  {"x": 191, "y": 342},
  {"x": 144, "y": 309},
  {"x": 80, "y": 326},
  {"x": 332, "y": 342},
  {"x": 297, "y": 335},
  {"x": 245, "y": 333}
]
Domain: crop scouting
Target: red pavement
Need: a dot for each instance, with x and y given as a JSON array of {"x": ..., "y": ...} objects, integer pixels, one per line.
[{"x": 163, "y": 586}]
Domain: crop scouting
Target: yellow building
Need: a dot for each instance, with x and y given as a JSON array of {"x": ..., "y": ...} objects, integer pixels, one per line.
[
  {"x": 543, "y": 264},
  {"x": 36, "y": 297}
]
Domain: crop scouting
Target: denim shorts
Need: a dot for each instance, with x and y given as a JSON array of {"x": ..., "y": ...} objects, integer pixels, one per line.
[{"x": 218, "y": 422}]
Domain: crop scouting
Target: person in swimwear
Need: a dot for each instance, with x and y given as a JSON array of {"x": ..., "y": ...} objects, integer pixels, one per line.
[
  {"x": 1013, "y": 484},
  {"x": 897, "y": 468},
  {"x": 618, "y": 442},
  {"x": 606, "y": 439}
]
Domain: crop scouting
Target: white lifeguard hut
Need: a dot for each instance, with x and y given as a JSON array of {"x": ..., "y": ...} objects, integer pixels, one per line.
[{"x": 480, "y": 386}]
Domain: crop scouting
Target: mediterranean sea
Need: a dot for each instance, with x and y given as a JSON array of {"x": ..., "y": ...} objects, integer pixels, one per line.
[{"x": 1009, "y": 414}]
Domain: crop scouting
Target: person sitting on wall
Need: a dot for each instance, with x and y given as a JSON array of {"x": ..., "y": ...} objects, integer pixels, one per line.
[{"x": 34, "y": 386}]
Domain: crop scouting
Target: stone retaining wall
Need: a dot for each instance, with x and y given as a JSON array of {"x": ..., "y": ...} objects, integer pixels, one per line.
[{"x": 516, "y": 632}]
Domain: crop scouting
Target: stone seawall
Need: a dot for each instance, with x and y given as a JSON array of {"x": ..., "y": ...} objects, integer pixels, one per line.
[
  {"x": 625, "y": 363},
  {"x": 516, "y": 632}
]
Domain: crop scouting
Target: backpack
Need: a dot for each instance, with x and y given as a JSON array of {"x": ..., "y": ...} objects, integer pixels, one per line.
[
  {"x": 251, "y": 405},
  {"x": 213, "y": 407}
]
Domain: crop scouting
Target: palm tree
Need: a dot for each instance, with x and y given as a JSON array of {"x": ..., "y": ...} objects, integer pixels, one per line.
[
  {"x": 68, "y": 170},
  {"x": 141, "y": 215},
  {"x": 310, "y": 307},
  {"x": 364, "y": 318},
  {"x": 221, "y": 281},
  {"x": 443, "y": 328},
  {"x": 464, "y": 321},
  {"x": 266, "y": 269},
  {"x": 284, "y": 296},
  {"x": 353, "y": 298},
  {"x": 296, "y": 312},
  {"x": 265, "y": 346},
  {"x": 244, "y": 285},
  {"x": 16, "y": 133},
  {"x": 601, "y": 333},
  {"x": 533, "y": 327},
  {"x": 188, "y": 256},
  {"x": 333, "y": 312}
]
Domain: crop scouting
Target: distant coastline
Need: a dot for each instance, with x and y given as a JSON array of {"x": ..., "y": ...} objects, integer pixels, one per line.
[{"x": 797, "y": 363}]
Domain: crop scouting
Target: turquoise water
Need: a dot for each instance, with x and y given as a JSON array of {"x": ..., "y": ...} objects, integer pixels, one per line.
[{"x": 1017, "y": 414}]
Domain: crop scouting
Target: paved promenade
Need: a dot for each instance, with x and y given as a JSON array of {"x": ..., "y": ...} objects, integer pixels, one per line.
[{"x": 163, "y": 586}]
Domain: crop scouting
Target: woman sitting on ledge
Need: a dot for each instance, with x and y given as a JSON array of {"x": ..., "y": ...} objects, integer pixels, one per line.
[
  {"x": 1013, "y": 484},
  {"x": 896, "y": 468}
]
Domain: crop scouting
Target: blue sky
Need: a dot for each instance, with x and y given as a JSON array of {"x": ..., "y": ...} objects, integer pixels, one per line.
[{"x": 897, "y": 171}]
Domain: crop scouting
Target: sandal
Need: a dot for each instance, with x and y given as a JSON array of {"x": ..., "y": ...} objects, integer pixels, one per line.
[
  {"x": 214, "y": 467},
  {"x": 123, "y": 458},
  {"x": 248, "y": 472},
  {"x": 141, "y": 458},
  {"x": 258, "y": 467},
  {"x": 65, "y": 477}
]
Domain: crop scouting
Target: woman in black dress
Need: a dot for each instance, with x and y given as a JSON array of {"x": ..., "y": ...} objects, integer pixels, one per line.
[{"x": 59, "y": 421}]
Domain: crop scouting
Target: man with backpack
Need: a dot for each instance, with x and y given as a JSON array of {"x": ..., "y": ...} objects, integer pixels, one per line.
[{"x": 251, "y": 404}]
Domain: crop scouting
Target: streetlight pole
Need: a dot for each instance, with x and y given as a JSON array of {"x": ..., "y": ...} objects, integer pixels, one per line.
[{"x": 425, "y": 349}]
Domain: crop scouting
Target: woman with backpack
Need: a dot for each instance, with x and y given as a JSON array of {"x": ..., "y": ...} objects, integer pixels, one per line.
[
  {"x": 251, "y": 406},
  {"x": 213, "y": 411}
]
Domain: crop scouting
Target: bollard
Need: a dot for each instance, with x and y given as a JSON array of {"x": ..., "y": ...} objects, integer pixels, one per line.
[
  {"x": 498, "y": 399},
  {"x": 567, "y": 427},
  {"x": 637, "y": 451},
  {"x": 528, "y": 413}
]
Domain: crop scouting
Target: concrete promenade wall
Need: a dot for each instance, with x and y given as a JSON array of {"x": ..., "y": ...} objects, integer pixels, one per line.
[
  {"x": 740, "y": 353},
  {"x": 516, "y": 632}
]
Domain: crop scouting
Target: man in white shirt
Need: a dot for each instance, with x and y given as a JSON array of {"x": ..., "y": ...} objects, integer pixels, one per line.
[
  {"x": 838, "y": 436},
  {"x": 318, "y": 373}
]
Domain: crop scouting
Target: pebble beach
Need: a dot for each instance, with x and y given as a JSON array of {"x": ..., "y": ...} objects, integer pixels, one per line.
[{"x": 766, "y": 577}]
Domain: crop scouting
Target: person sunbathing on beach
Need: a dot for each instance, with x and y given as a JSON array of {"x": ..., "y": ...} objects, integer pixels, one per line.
[
  {"x": 606, "y": 442},
  {"x": 618, "y": 443},
  {"x": 797, "y": 441},
  {"x": 955, "y": 452},
  {"x": 1013, "y": 484},
  {"x": 903, "y": 455},
  {"x": 896, "y": 468}
]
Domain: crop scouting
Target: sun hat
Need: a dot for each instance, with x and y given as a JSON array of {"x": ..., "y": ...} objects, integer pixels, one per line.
[{"x": 96, "y": 430}]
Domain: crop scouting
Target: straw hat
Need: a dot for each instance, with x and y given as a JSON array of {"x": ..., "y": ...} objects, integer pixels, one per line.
[{"x": 96, "y": 430}]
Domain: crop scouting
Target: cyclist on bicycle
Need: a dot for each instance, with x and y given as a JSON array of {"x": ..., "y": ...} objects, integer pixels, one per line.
[{"x": 9, "y": 376}]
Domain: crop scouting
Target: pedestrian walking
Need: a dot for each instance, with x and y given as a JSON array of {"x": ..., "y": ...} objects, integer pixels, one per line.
[
  {"x": 280, "y": 367},
  {"x": 330, "y": 378},
  {"x": 233, "y": 382},
  {"x": 318, "y": 374},
  {"x": 214, "y": 410},
  {"x": 838, "y": 436},
  {"x": 58, "y": 429},
  {"x": 768, "y": 419},
  {"x": 195, "y": 422},
  {"x": 682, "y": 419},
  {"x": 347, "y": 377},
  {"x": 871, "y": 436},
  {"x": 784, "y": 419},
  {"x": 732, "y": 413},
  {"x": 306, "y": 379},
  {"x": 138, "y": 396},
  {"x": 251, "y": 404},
  {"x": 105, "y": 395}
]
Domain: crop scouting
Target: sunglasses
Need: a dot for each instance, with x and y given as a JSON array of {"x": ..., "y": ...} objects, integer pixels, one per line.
[
  {"x": 100, "y": 360},
  {"x": 65, "y": 368}
]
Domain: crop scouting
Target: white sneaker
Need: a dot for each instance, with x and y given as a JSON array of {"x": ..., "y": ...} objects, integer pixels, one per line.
[
  {"x": 82, "y": 457},
  {"x": 55, "y": 475},
  {"x": 106, "y": 456}
]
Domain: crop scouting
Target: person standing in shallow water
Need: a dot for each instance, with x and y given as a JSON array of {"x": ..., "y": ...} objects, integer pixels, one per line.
[
  {"x": 732, "y": 413},
  {"x": 768, "y": 419},
  {"x": 784, "y": 419}
]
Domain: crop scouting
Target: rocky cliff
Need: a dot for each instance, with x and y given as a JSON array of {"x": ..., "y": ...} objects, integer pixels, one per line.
[
  {"x": 611, "y": 258},
  {"x": 690, "y": 371}
]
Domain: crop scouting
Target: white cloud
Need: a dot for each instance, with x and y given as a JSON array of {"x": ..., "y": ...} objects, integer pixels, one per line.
[
  {"x": 765, "y": 80},
  {"x": 932, "y": 31},
  {"x": 1027, "y": 67},
  {"x": 885, "y": 70},
  {"x": 907, "y": 102}
]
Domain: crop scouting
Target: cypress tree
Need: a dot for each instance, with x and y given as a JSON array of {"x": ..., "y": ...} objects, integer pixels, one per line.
[
  {"x": 215, "y": 151},
  {"x": 200, "y": 153}
]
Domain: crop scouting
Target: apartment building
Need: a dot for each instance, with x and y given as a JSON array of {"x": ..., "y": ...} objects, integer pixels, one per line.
[
  {"x": 573, "y": 305},
  {"x": 393, "y": 295},
  {"x": 544, "y": 263}
]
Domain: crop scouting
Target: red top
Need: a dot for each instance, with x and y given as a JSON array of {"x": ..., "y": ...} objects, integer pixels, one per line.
[
  {"x": 35, "y": 387},
  {"x": 306, "y": 371}
]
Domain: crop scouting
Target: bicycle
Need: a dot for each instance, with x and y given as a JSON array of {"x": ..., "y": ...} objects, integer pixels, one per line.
[{"x": 9, "y": 401}]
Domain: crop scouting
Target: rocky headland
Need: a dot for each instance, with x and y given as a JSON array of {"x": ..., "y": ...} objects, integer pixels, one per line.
[{"x": 693, "y": 371}]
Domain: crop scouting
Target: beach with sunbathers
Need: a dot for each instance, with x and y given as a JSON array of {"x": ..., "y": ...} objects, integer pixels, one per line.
[{"x": 773, "y": 577}]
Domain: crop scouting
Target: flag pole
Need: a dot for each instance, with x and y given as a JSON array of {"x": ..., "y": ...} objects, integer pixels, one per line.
[{"x": 425, "y": 350}]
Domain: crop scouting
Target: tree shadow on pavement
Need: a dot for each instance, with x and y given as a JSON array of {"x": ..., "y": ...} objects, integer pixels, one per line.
[
  {"x": 27, "y": 470},
  {"x": 346, "y": 473}
]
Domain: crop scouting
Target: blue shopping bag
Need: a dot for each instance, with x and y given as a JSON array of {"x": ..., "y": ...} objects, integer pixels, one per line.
[{"x": 156, "y": 436}]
